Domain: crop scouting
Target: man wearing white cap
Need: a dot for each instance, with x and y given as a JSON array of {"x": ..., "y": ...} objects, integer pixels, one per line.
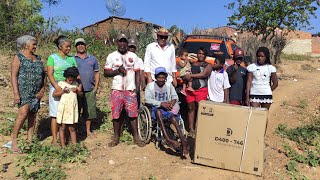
[
  {"x": 161, "y": 54},
  {"x": 89, "y": 73},
  {"x": 124, "y": 68}
]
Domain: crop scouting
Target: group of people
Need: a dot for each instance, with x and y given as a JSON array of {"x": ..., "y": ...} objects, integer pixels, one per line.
[
  {"x": 74, "y": 81},
  {"x": 68, "y": 93}
]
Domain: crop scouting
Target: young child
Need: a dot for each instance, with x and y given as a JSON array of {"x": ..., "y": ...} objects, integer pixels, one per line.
[
  {"x": 259, "y": 88},
  {"x": 67, "y": 114},
  {"x": 218, "y": 82},
  {"x": 185, "y": 66},
  {"x": 163, "y": 98}
]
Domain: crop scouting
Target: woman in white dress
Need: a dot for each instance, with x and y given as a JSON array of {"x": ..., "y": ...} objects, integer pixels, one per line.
[{"x": 262, "y": 80}]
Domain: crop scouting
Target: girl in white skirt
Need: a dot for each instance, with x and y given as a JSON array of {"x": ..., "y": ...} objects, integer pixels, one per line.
[
  {"x": 262, "y": 80},
  {"x": 67, "y": 115}
]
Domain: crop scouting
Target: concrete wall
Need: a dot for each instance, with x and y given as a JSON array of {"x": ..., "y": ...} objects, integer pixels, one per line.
[
  {"x": 299, "y": 43},
  {"x": 299, "y": 46}
]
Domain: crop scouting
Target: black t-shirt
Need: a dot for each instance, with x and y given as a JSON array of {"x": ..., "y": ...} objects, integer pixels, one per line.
[
  {"x": 199, "y": 83},
  {"x": 238, "y": 87}
]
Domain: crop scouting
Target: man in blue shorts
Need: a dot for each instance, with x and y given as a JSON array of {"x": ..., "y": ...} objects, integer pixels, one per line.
[{"x": 164, "y": 100}]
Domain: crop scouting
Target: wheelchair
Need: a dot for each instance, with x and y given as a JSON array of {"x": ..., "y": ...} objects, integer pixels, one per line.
[{"x": 149, "y": 129}]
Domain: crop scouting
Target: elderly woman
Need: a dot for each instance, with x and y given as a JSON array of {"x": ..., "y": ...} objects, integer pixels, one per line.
[
  {"x": 201, "y": 70},
  {"x": 28, "y": 79},
  {"x": 57, "y": 64}
]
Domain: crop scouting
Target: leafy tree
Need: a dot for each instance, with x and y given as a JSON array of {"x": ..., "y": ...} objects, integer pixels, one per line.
[
  {"x": 18, "y": 17},
  {"x": 264, "y": 17}
]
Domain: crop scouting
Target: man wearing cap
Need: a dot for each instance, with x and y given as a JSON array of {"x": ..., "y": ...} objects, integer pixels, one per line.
[
  {"x": 160, "y": 53},
  {"x": 89, "y": 73},
  {"x": 164, "y": 100},
  {"x": 237, "y": 78},
  {"x": 123, "y": 67}
]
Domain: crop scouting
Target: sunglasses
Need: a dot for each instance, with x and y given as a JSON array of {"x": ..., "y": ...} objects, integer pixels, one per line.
[
  {"x": 163, "y": 37},
  {"x": 80, "y": 43}
]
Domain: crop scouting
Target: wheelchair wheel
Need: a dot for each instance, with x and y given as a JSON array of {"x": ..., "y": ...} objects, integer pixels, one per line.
[{"x": 144, "y": 124}]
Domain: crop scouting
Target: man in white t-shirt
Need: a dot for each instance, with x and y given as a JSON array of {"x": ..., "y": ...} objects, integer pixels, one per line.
[
  {"x": 124, "y": 68},
  {"x": 160, "y": 54}
]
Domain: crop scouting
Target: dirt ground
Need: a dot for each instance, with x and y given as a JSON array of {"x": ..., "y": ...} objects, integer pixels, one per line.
[{"x": 132, "y": 162}]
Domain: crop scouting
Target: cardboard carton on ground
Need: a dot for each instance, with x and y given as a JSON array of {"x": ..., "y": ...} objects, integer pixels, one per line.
[{"x": 231, "y": 137}]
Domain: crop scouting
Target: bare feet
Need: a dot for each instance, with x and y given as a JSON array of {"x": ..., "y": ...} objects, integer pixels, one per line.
[
  {"x": 15, "y": 150},
  {"x": 192, "y": 133},
  {"x": 139, "y": 142},
  {"x": 115, "y": 141},
  {"x": 185, "y": 151}
]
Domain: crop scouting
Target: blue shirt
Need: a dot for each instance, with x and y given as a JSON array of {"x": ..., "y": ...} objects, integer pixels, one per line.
[{"x": 87, "y": 68}]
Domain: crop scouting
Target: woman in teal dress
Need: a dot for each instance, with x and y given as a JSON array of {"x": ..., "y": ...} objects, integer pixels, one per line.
[{"x": 28, "y": 80}]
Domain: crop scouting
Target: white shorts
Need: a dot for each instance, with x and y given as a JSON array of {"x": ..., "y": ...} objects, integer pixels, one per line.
[{"x": 53, "y": 103}]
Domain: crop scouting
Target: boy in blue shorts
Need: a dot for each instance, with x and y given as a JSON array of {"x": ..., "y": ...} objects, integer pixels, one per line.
[{"x": 164, "y": 100}]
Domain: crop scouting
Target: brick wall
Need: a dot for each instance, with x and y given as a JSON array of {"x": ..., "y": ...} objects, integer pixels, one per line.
[
  {"x": 101, "y": 30},
  {"x": 316, "y": 45}
]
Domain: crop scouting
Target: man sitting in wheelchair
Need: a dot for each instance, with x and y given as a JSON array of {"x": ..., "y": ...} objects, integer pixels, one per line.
[{"x": 163, "y": 98}]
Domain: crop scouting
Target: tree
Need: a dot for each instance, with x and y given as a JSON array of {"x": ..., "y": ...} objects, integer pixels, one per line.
[
  {"x": 19, "y": 17},
  {"x": 269, "y": 21},
  {"x": 264, "y": 17}
]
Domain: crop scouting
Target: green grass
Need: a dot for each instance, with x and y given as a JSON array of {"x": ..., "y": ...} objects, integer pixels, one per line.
[
  {"x": 46, "y": 161},
  {"x": 307, "y": 67},
  {"x": 306, "y": 140},
  {"x": 303, "y": 103},
  {"x": 295, "y": 57}
]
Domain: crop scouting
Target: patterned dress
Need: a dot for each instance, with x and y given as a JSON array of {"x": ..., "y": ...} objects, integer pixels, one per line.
[{"x": 30, "y": 79}]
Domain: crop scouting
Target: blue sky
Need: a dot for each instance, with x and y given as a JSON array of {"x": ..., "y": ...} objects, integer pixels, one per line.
[{"x": 187, "y": 14}]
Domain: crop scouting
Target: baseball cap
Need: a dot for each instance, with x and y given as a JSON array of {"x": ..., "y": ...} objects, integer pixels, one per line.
[
  {"x": 238, "y": 53},
  {"x": 132, "y": 42},
  {"x": 159, "y": 70},
  {"x": 122, "y": 36},
  {"x": 79, "y": 40}
]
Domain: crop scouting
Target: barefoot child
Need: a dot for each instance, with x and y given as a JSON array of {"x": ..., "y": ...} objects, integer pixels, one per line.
[
  {"x": 185, "y": 66},
  {"x": 218, "y": 82},
  {"x": 67, "y": 115},
  {"x": 163, "y": 98}
]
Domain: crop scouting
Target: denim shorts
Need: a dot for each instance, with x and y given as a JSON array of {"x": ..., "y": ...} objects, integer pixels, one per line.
[{"x": 165, "y": 114}]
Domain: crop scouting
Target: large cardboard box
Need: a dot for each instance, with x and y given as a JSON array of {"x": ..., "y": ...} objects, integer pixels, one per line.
[{"x": 231, "y": 137}]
